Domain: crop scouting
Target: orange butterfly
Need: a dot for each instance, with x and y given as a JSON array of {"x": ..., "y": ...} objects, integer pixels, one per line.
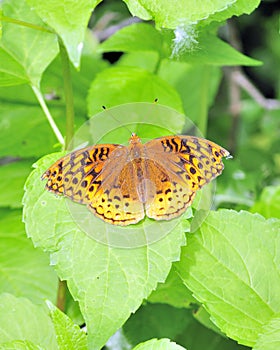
[{"x": 121, "y": 184}]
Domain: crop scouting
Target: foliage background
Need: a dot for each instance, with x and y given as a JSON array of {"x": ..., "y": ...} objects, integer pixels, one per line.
[{"x": 223, "y": 286}]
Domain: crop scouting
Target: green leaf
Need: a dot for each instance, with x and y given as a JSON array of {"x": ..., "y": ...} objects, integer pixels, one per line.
[
  {"x": 196, "y": 84},
  {"x": 269, "y": 203},
  {"x": 22, "y": 320},
  {"x": 32, "y": 48},
  {"x": 237, "y": 8},
  {"x": 11, "y": 71},
  {"x": 158, "y": 344},
  {"x": 34, "y": 136},
  {"x": 209, "y": 49},
  {"x": 162, "y": 321},
  {"x": 147, "y": 60},
  {"x": 270, "y": 337},
  {"x": 12, "y": 178},
  {"x": 68, "y": 335},
  {"x": 69, "y": 19},
  {"x": 109, "y": 282},
  {"x": 25, "y": 271},
  {"x": 52, "y": 83},
  {"x": 213, "y": 51},
  {"x": 20, "y": 345},
  {"x": 151, "y": 321},
  {"x": 134, "y": 38},
  {"x": 172, "y": 292},
  {"x": 202, "y": 316},
  {"x": 135, "y": 84},
  {"x": 188, "y": 12},
  {"x": 232, "y": 267}
]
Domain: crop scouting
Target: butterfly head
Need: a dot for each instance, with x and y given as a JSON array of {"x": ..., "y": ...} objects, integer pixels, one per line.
[{"x": 134, "y": 139}]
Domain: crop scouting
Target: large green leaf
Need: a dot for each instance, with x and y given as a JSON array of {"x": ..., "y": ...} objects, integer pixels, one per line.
[
  {"x": 232, "y": 267},
  {"x": 20, "y": 345},
  {"x": 69, "y": 19},
  {"x": 33, "y": 49},
  {"x": 188, "y": 12},
  {"x": 135, "y": 84},
  {"x": 109, "y": 282},
  {"x": 12, "y": 178},
  {"x": 22, "y": 320},
  {"x": 270, "y": 338},
  {"x": 25, "y": 271}
]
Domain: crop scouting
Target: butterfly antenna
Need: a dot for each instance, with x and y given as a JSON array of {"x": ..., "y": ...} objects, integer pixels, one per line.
[{"x": 117, "y": 120}]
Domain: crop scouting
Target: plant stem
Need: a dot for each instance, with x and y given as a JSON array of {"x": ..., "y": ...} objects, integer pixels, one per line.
[
  {"x": 202, "y": 117},
  {"x": 61, "y": 295},
  {"x": 68, "y": 92},
  {"x": 25, "y": 24},
  {"x": 45, "y": 109}
]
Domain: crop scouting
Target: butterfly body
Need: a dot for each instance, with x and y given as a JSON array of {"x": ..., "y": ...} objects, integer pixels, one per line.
[{"x": 121, "y": 184}]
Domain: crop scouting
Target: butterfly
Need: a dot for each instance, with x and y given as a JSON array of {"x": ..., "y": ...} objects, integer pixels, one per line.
[{"x": 121, "y": 184}]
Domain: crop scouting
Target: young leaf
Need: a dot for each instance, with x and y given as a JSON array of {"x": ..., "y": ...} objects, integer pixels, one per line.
[
  {"x": 68, "y": 335},
  {"x": 232, "y": 267}
]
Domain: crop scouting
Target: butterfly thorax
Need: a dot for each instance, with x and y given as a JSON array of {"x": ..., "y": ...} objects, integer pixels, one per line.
[{"x": 135, "y": 148}]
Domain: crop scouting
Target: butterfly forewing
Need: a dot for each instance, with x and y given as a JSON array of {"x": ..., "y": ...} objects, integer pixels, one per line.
[
  {"x": 189, "y": 163},
  {"x": 99, "y": 177}
]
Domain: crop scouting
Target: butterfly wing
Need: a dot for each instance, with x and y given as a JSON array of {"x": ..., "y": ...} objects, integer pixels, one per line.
[
  {"x": 98, "y": 176},
  {"x": 184, "y": 164}
]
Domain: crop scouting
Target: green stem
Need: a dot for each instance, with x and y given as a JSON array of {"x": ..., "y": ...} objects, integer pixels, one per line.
[
  {"x": 61, "y": 295},
  {"x": 68, "y": 92},
  {"x": 202, "y": 117},
  {"x": 45, "y": 109},
  {"x": 25, "y": 24}
]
